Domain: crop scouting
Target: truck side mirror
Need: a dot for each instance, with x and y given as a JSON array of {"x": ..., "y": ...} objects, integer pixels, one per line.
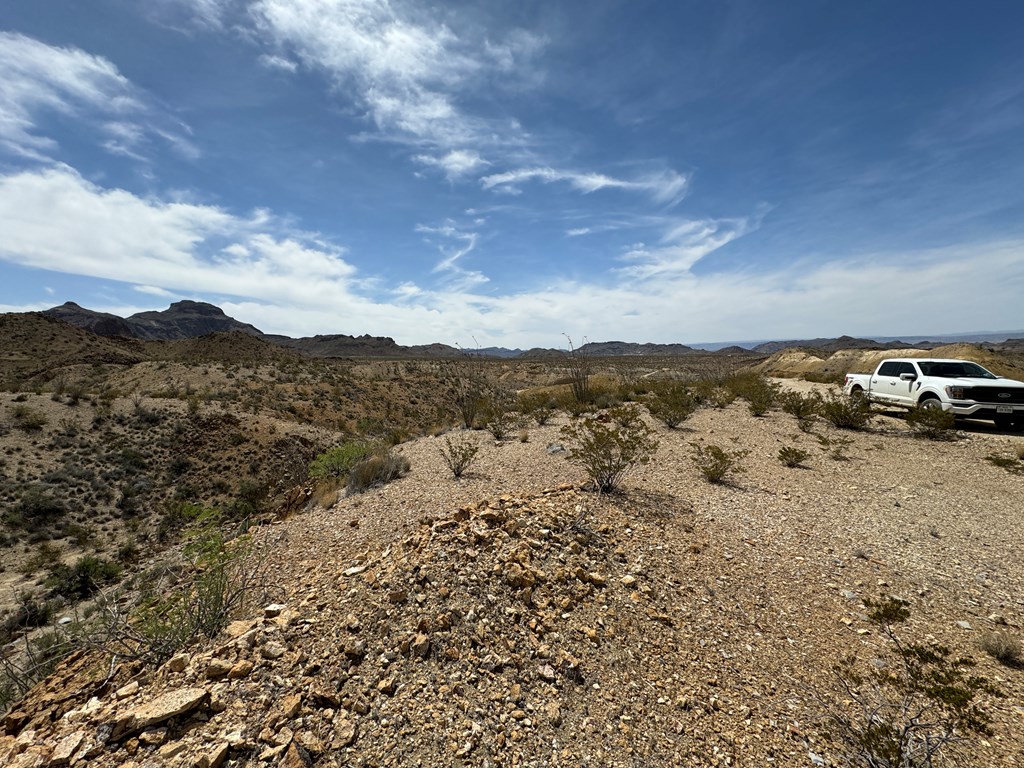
[{"x": 908, "y": 377}]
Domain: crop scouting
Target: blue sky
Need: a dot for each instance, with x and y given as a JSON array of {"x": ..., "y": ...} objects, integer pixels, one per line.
[{"x": 503, "y": 173}]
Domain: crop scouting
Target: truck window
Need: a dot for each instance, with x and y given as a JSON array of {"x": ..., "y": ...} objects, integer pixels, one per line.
[
  {"x": 889, "y": 368},
  {"x": 906, "y": 368}
]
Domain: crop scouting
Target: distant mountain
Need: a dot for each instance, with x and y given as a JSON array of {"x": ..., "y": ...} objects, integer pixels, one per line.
[
  {"x": 181, "y": 320},
  {"x": 100, "y": 323},
  {"x": 627, "y": 348},
  {"x": 828, "y": 345},
  {"x": 341, "y": 345},
  {"x": 186, "y": 320}
]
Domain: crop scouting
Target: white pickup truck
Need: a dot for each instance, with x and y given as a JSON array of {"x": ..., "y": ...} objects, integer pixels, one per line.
[{"x": 960, "y": 386}]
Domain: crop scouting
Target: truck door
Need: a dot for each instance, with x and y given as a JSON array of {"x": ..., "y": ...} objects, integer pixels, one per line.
[
  {"x": 905, "y": 388},
  {"x": 885, "y": 383}
]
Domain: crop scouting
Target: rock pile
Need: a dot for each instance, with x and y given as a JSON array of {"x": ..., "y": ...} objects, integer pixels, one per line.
[{"x": 517, "y": 631}]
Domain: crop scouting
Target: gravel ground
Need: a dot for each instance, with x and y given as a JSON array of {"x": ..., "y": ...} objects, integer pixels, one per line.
[
  {"x": 514, "y": 618},
  {"x": 765, "y": 574}
]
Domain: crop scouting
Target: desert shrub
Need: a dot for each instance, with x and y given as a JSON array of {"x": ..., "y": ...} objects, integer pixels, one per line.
[
  {"x": 79, "y": 581},
  {"x": 606, "y": 450},
  {"x": 335, "y": 463},
  {"x": 817, "y": 377},
  {"x": 715, "y": 463},
  {"x": 497, "y": 413},
  {"x": 845, "y": 412},
  {"x": 378, "y": 468},
  {"x": 36, "y": 509},
  {"x": 932, "y": 423},
  {"x": 804, "y": 407},
  {"x": 465, "y": 386},
  {"x": 28, "y": 419},
  {"x": 714, "y": 395},
  {"x": 835, "y": 446},
  {"x": 916, "y": 709},
  {"x": 32, "y": 611},
  {"x": 458, "y": 454},
  {"x": 174, "y": 605},
  {"x": 579, "y": 367},
  {"x": 672, "y": 404},
  {"x": 792, "y": 457},
  {"x": 755, "y": 389},
  {"x": 538, "y": 406},
  {"x": 1004, "y": 648}
]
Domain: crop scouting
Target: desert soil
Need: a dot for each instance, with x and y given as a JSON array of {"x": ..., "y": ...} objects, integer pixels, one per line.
[{"x": 514, "y": 618}]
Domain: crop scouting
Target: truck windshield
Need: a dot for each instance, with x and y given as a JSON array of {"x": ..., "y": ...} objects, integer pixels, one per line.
[{"x": 955, "y": 370}]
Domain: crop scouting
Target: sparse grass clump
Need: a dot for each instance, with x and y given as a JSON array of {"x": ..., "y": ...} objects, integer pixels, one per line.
[
  {"x": 607, "y": 449},
  {"x": 717, "y": 464},
  {"x": 1004, "y": 648},
  {"x": 792, "y": 457},
  {"x": 28, "y": 419},
  {"x": 755, "y": 388},
  {"x": 379, "y": 468},
  {"x": 458, "y": 454},
  {"x": 932, "y": 423}
]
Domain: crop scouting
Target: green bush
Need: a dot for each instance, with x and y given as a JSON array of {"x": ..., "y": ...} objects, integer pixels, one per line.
[
  {"x": 606, "y": 450},
  {"x": 845, "y": 412},
  {"x": 336, "y": 463},
  {"x": 79, "y": 581},
  {"x": 913, "y": 710},
  {"x": 459, "y": 454},
  {"x": 538, "y": 406},
  {"x": 755, "y": 389},
  {"x": 715, "y": 463},
  {"x": 672, "y": 404},
  {"x": 800, "y": 405},
  {"x": 932, "y": 423},
  {"x": 497, "y": 413}
]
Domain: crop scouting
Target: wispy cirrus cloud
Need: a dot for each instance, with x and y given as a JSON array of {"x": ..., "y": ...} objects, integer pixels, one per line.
[
  {"x": 41, "y": 81},
  {"x": 407, "y": 69},
  {"x": 465, "y": 241},
  {"x": 665, "y": 187},
  {"x": 683, "y": 244}
]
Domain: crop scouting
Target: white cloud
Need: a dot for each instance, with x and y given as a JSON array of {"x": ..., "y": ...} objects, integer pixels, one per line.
[
  {"x": 666, "y": 187},
  {"x": 282, "y": 282},
  {"x": 40, "y": 81},
  {"x": 278, "y": 62},
  {"x": 465, "y": 241},
  {"x": 684, "y": 244},
  {"x": 457, "y": 163},
  {"x": 55, "y": 220},
  {"x": 578, "y": 231},
  {"x": 407, "y": 69}
]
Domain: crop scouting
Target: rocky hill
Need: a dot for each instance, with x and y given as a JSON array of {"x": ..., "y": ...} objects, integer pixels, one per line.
[
  {"x": 797, "y": 362},
  {"x": 181, "y": 320}
]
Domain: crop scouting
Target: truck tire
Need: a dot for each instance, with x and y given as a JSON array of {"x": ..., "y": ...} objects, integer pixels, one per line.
[
  {"x": 929, "y": 402},
  {"x": 856, "y": 393}
]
